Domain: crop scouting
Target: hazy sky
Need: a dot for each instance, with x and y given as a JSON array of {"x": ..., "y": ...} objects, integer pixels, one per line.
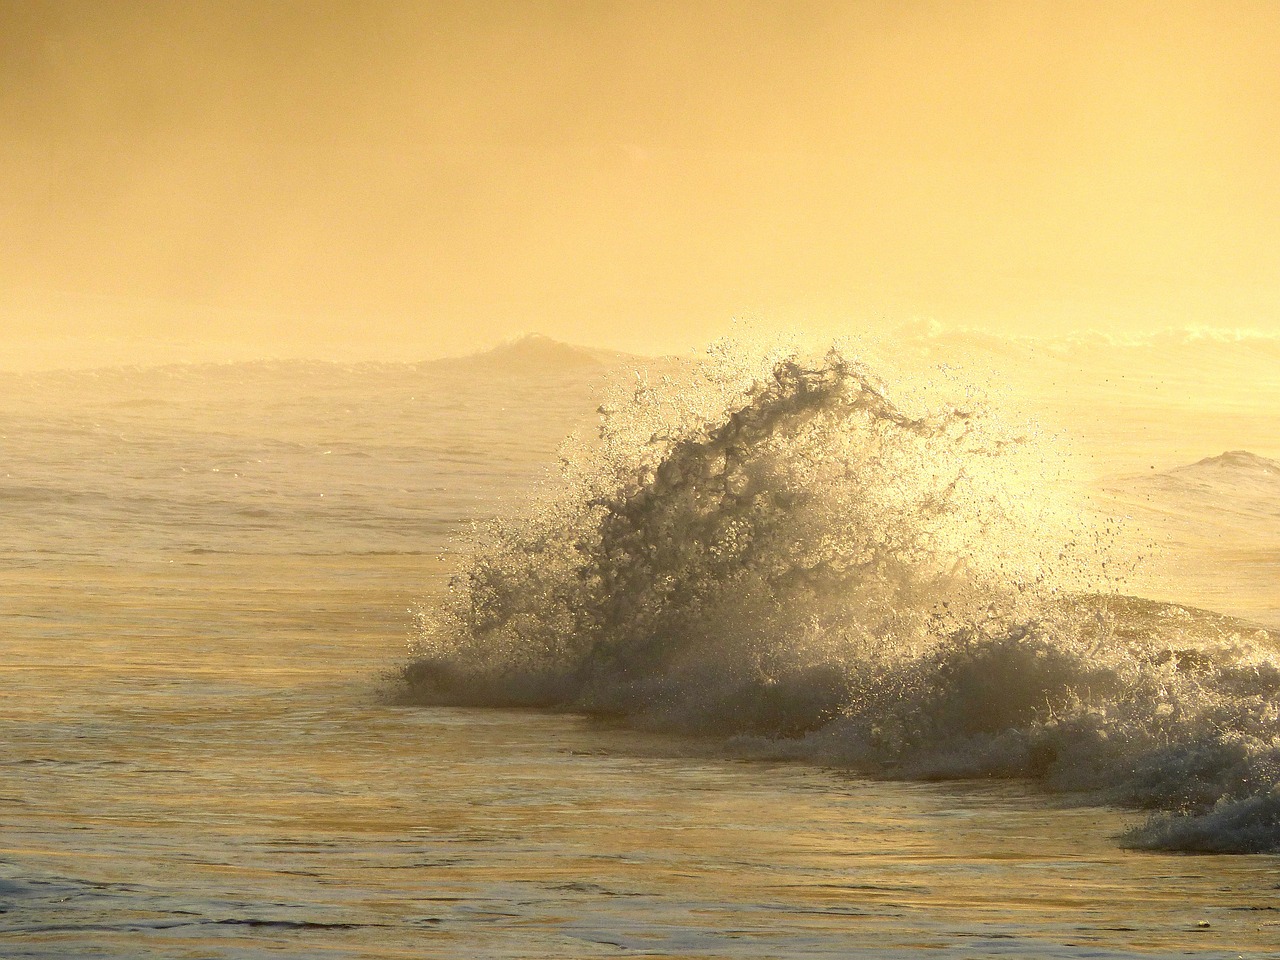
[{"x": 410, "y": 179}]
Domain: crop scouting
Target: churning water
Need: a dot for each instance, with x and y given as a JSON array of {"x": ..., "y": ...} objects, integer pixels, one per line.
[{"x": 837, "y": 667}]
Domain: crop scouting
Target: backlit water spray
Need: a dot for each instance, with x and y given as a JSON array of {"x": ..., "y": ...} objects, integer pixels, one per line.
[{"x": 787, "y": 555}]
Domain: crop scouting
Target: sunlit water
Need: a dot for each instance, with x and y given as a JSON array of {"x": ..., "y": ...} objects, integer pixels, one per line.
[{"x": 199, "y": 760}]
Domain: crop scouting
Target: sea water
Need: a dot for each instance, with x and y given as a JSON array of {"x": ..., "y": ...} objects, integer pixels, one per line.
[{"x": 210, "y": 575}]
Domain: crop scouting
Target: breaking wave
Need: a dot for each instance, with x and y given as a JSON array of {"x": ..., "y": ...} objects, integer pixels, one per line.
[{"x": 780, "y": 554}]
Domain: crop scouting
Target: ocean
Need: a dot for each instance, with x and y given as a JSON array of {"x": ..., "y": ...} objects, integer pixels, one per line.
[{"x": 931, "y": 646}]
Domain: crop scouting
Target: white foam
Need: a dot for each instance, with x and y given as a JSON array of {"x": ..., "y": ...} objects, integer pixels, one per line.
[{"x": 781, "y": 555}]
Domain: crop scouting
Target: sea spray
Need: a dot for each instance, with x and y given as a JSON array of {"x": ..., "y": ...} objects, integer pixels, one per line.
[{"x": 782, "y": 554}]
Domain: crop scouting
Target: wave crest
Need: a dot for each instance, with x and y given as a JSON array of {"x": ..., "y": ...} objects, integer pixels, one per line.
[{"x": 780, "y": 554}]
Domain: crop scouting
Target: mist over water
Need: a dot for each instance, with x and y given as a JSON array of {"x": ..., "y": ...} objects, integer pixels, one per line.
[
  {"x": 949, "y": 641},
  {"x": 779, "y": 554},
  {"x": 776, "y": 597}
]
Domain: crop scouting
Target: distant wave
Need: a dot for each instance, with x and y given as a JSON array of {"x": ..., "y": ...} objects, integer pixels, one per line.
[
  {"x": 783, "y": 556},
  {"x": 1164, "y": 336},
  {"x": 531, "y": 354}
]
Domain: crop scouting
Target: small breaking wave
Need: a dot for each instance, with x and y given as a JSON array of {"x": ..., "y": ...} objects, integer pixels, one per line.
[{"x": 779, "y": 553}]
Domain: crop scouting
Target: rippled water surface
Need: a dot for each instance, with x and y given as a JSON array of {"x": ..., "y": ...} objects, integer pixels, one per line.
[{"x": 198, "y": 759}]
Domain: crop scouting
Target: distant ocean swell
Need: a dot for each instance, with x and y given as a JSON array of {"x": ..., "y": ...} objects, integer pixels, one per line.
[{"x": 777, "y": 553}]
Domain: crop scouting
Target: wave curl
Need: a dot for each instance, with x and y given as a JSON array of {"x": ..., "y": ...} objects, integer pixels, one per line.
[{"x": 780, "y": 554}]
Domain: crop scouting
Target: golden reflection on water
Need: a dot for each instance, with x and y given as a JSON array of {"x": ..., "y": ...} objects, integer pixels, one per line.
[
  {"x": 198, "y": 758},
  {"x": 253, "y": 795}
]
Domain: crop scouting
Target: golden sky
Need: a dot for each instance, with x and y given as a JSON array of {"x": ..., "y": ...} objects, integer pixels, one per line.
[{"x": 419, "y": 178}]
